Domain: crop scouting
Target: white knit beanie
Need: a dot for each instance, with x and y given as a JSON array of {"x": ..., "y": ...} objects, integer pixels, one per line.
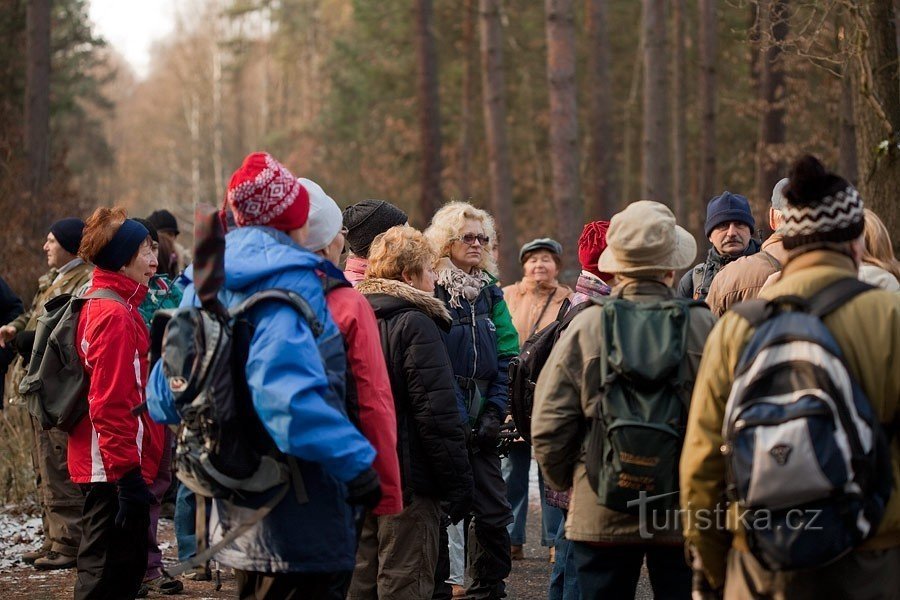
[{"x": 325, "y": 219}]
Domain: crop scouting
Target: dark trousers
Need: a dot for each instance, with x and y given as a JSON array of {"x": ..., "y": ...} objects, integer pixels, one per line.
[
  {"x": 111, "y": 559},
  {"x": 612, "y": 572},
  {"x": 489, "y": 562},
  {"x": 252, "y": 585}
]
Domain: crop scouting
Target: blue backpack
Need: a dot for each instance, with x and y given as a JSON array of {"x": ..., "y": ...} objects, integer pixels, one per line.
[{"x": 808, "y": 462}]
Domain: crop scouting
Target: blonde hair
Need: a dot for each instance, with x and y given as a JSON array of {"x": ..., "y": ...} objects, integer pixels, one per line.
[
  {"x": 400, "y": 249},
  {"x": 879, "y": 251},
  {"x": 448, "y": 222}
]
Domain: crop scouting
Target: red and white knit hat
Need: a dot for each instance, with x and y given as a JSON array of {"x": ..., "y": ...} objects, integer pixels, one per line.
[{"x": 263, "y": 192}]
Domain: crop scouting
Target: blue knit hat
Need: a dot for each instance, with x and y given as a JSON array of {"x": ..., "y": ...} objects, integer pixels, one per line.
[
  {"x": 728, "y": 207},
  {"x": 122, "y": 247},
  {"x": 68, "y": 233}
]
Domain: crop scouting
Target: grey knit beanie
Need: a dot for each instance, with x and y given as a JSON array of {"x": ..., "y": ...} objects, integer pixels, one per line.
[{"x": 365, "y": 220}]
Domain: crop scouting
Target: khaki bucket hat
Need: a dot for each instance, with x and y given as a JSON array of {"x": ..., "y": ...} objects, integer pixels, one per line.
[{"x": 644, "y": 237}]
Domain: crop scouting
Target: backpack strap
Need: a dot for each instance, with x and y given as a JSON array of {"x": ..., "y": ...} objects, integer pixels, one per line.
[
  {"x": 292, "y": 299},
  {"x": 105, "y": 294},
  {"x": 835, "y": 295}
]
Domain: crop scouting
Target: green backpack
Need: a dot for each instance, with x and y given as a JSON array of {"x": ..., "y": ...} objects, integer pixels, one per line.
[
  {"x": 635, "y": 438},
  {"x": 56, "y": 385}
]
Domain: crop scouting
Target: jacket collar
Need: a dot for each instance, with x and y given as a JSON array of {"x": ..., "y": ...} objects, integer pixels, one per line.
[
  {"x": 639, "y": 289},
  {"x": 820, "y": 258},
  {"x": 723, "y": 259},
  {"x": 132, "y": 292},
  {"x": 409, "y": 295}
]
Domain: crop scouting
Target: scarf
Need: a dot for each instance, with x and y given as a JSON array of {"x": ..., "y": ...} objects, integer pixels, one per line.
[{"x": 460, "y": 284}]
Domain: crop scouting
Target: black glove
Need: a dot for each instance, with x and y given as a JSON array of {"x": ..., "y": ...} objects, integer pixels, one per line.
[
  {"x": 365, "y": 489},
  {"x": 23, "y": 343},
  {"x": 458, "y": 510},
  {"x": 134, "y": 501},
  {"x": 488, "y": 428}
]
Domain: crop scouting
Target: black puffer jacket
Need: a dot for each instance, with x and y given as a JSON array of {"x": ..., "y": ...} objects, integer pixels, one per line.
[{"x": 431, "y": 437}]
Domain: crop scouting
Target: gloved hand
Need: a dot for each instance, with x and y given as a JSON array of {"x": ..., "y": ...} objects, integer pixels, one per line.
[
  {"x": 459, "y": 509},
  {"x": 365, "y": 489},
  {"x": 488, "y": 427},
  {"x": 134, "y": 500},
  {"x": 23, "y": 343}
]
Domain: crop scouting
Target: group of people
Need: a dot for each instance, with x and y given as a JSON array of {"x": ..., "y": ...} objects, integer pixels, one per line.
[{"x": 406, "y": 492}]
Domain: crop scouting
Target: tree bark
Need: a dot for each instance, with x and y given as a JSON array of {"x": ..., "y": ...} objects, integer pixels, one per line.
[
  {"x": 493, "y": 91},
  {"x": 429, "y": 111},
  {"x": 37, "y": 105},
  {"x": 601, "y": 158},
  {"x": 708, "y": 95},
  {"x": 564, "y": 130},
  {"x": 773, "y": 17},
  {"x": 656, "y": 166},
  {"x": 468, "y": 82},
  {"x": 847, "y": 163},
  {"x": 679, "y": 110},
  {"x": 877, "y": 110}
]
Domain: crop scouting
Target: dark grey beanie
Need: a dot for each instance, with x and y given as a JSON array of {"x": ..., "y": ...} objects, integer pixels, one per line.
[{"x": 365, "y": 220}]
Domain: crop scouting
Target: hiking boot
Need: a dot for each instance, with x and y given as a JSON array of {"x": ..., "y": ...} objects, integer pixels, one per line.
[
  {"x": 54, "y": 560},
  {"x": 516, "y": 552},
  {"x": 458, "y": 591},
  {"x": 164, "y": 585},
  {"x": 199, "y": 573},
  {"x": 29, "y": 557}
]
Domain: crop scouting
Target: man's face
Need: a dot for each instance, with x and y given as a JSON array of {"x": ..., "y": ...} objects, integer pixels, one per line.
[
  {"x": 730, "y": 238},
  {"x": 57, "y": 256}
]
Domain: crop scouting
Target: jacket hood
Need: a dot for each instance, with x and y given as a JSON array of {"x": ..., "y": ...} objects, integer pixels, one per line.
[
  {"x": 402, "y": 296},
  {"x": 261, "y": 257}
]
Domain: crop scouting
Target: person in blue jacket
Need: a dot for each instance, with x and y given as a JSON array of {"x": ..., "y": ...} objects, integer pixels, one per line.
[
  {"x": 298, "y": 550},
  {"x": 481, "y": 342}
]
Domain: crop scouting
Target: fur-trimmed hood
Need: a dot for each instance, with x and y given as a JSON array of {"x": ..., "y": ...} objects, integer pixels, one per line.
[{"x": 401, "y": 296}]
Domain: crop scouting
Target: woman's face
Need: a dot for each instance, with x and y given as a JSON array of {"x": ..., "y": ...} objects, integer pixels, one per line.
[
  {"x": 469, "y": 246},
  {"x": 540, "y": 266},
  {"x": 143, "y": 266},
  {"x": 424, "y": 280}
]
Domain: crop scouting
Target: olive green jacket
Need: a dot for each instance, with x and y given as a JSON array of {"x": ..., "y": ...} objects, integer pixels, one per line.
[
  {"x": 868, "y": 331},
  {"x": 566, "y": 396}
]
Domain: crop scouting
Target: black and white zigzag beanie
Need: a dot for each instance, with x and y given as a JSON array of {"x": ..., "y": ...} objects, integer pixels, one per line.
[{"x": 821, "y": 206}]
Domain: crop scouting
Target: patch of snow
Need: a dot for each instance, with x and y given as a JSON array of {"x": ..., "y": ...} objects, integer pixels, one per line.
[{"x": 19, "y": 533}]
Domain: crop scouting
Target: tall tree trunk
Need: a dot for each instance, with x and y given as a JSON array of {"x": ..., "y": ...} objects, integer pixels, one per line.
[
  {"x": 601, "y": 158},
  {"x": 847, "y": 163},
  {"x": 773, "y": 17},
  {"x": 631, "y": 186},
  {"x": 37, "y": 106},
  {"x": 679, "y": 113},
  {"x": 877, "y": 110},
  {"x": 657, "y": 174},
  {"x": 564, "y": 130},
  {"x": 708, "y": 93},
  {"x": 468, "y": 82},
  {"x": 493, "y": 91},
  {"x": 429, "y": 111},
  {"x": 217, "y": 121}
]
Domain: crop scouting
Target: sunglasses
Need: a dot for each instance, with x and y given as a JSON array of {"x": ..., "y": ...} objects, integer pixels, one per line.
[{"x": 470, "y": 238}]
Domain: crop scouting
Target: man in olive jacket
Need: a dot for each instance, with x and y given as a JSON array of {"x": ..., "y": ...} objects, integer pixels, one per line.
[
  {"x": 644, "y": 248},
  {"x": 61, "y": 500},
  {"x": 823, "y": 233}
]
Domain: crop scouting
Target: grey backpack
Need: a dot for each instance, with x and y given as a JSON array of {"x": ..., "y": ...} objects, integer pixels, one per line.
[{"x": 55, "y": 387}]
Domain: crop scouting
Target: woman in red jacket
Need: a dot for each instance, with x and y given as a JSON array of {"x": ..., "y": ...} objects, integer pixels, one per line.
[{"x": 114, "y": 454}]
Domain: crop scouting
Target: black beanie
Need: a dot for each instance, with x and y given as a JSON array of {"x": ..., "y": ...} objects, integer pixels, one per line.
[
  {"x": 122, "y": 247},
  {"x": 821, "y": 206},
  {"x": 365, "y": 220},
  {"x": 154, "y": 235},
  {"x": 68, "y": 233},
  {"x": 163, "y": 220}
]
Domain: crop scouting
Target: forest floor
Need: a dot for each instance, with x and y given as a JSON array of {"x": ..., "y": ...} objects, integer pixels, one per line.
[{"x": 20, "y": 532}]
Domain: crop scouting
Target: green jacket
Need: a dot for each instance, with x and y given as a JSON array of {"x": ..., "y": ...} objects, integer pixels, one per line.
[
  {"x": 567, "y": 393},
  {"x": 868, "y": 332}
]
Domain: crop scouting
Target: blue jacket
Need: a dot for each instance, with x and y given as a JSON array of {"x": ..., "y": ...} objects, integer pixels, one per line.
[
  {"x": 481, "y": 342},
  {"x": 290, "y": 393}
]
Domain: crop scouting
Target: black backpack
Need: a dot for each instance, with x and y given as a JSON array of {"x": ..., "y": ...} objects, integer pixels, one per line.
[{"x": 525, "y": 368}]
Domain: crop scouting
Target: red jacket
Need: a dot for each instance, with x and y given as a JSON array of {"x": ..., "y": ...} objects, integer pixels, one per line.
[
  {"x": 377, "y": 418},
  {"x": 113, "y": 343}
]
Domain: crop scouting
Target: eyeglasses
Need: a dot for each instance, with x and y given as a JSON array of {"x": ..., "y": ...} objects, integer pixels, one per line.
[{"x": 470, "y": 238}]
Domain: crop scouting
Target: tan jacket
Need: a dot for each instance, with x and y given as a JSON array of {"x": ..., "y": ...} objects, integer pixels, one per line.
[
  {"x": 568, "y": 390},
  {"x": 49, "y": 287},
  {"x": 868, "y": 332},
  {"x": 742, "y": 279},
  {"x": 526, "y": 300}
]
